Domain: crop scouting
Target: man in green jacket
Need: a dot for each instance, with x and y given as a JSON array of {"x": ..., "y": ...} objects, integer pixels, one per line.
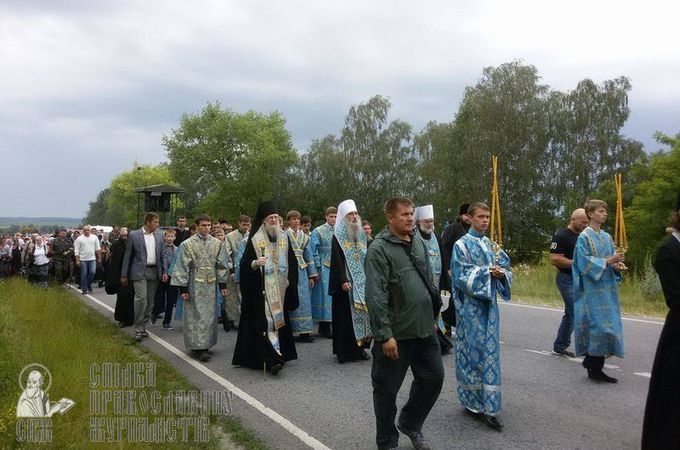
[{"x": 402, "y": 304}]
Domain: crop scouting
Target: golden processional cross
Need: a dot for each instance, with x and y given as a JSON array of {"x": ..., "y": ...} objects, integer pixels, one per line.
[
  {"x": 620, "y": 237},
  {"x": 496, "y": 225}
]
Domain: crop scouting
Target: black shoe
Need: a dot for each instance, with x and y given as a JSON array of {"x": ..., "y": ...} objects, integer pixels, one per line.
[
  {"x": 492, "y": 422},
  {"x": 306, "y": 337},
  {"x": 202, "y": 355},
  {"x": 154, "y": 318},
  {"x": 564, "y": 352},
  {"x": 364, "y": 355},
  {"x": 476, "y": 415},
  {"x": 276, "y": 368},
  {"x": 139, "y": 336},
  {"x": 599, "y": 375},
  {"x": 228, "y": 325},
  {"x": 145, "y": 333},
  {"x": 328, "y": 334},
  {"x": 325, "y": 330},
  {"x": 416, "y": 437}
]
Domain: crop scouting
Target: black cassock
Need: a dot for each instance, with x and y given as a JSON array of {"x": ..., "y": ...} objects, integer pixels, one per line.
[
  {"x": 345, "y": 345},
  {"x": 125, "y": 295},
  {"x": 253, "y": 348},
  {"x": 661, "y": 428}
]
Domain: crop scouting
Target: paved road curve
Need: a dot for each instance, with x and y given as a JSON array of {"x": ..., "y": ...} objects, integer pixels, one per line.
[{"x": 548, "y": 401}]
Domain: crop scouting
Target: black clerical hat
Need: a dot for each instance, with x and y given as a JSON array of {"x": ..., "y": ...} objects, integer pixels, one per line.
[
  {"x": 463, "y": 209},
  {"x": 264, "y": 209}
]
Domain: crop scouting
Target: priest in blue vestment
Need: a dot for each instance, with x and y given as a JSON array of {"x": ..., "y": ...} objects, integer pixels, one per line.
[
  {"x": 479, "y": 274},
  {"x": 320, "y": 241},
  {"x": 424, "y": 219},
  {"x": 347, "y": 286},
  {"x": 301, "y": 318},
  {"x": 597, "y": 315}
]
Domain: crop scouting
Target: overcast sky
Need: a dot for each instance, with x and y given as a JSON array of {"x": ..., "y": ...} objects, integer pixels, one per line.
[{"x": 86, "y": 87}]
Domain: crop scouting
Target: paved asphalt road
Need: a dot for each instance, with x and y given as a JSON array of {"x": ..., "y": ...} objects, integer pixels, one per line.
[{"x": 548, "y": 401}]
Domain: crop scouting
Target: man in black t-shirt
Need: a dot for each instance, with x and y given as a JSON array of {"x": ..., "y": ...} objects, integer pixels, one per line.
[
  {"x": 181, "y": 232},
  {"x": 561, "y": 256}
]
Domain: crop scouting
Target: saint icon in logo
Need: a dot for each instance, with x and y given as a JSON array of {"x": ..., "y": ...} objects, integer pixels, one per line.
[{"x": 34, "y": 401}]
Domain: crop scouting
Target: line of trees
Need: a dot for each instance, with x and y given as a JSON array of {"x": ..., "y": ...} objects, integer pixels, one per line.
[{"x": 555, "y": 150}]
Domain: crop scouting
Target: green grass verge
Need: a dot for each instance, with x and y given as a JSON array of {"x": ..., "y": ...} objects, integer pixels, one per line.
[
  {"x": 54, "y": 328},
  {"x": 536, "y": 285}
]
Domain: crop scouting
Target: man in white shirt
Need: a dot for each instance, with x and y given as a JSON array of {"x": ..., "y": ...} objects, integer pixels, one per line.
[
  {"x": 142, "y": 265},
  {"x": 87, "y": 252}
]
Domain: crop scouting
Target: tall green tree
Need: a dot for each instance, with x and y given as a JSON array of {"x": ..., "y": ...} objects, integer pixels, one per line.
[
  {"x": 98, "y": 208},
  {"x": 228, "y": 161},
  {"x": 586, "y": 146},
  {"x": 654, "y": 199},
  {"x": 379, "y": 158},
  {"x": 122, "y": 201},
  {"x": 372, "y": 159},
  {"x": 505, "y": 114}
]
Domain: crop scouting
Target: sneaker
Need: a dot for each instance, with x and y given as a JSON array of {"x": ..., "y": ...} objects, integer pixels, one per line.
[
  {"x": 167, "y": 326},
  {"x": 563, "y": 352},
  {"x": 89, "y": 291},
  {"x": 84, "y": 291},
  {"x": 139, "y": 337},
  {"x": 416, "y": 437},
  {"x": 145, "y": 333}
]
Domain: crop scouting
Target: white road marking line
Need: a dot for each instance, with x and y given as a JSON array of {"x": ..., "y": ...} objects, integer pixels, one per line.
[
  {"x": 545, "y": 308},
  {"x": 540, "y": 352},
  {"x": 273, "y": 415},
  {"x": 643, "y": 374},
  {"x": 578, "y": 360}
]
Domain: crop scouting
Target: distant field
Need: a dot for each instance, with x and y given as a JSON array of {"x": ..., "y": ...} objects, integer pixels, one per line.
[{"x": 39, "y": 221}]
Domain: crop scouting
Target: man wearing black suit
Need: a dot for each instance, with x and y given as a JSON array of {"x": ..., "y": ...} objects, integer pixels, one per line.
[
  {"x": 662, "y": 414},
  {"x": 142, "y": 265}
]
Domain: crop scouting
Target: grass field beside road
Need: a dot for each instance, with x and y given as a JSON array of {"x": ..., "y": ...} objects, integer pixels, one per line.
[
  {"x": 639, "y": 293},
  {"x": 54, "y": 328}
]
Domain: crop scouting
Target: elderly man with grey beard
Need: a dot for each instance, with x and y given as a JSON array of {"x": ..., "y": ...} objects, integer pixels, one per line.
[
  {"x": 424, "y": 218},
  {"x": 268, "y": 282},
  {"x": 347, "y": 285}
]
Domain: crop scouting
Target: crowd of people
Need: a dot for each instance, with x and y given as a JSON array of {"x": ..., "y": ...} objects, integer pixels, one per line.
[{"x": 279, "y": 281}]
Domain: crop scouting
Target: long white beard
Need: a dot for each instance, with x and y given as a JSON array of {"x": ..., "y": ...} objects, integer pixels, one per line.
[
  {"x": 425, "y": 230},
  {"x": 272, "y": 230},
  {"x": 354, "y": 229}
]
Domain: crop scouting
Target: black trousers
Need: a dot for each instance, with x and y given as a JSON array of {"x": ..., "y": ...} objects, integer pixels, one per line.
[
  {"x": 593, "y": 362},
  {"x": 164, "y": 300},
  {"x": 424, "y": 358}
]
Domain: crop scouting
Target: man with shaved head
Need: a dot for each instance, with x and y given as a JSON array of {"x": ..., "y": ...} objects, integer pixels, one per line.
[{"x": 561, "y": 256}]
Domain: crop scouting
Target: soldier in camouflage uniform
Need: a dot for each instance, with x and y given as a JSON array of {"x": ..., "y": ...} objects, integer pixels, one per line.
[{"x": 62, "y": 249}]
